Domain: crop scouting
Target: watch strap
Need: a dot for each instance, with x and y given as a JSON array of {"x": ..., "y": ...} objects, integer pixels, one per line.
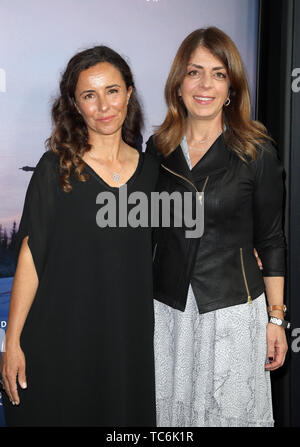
[
  {"x": 277, "y": 307},
  {"x": 283, "y": 323}
]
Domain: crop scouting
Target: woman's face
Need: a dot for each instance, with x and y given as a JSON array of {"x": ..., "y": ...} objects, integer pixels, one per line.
[
  {"x": 205, "y": 86},
  {"x": 101, "y": 98}
]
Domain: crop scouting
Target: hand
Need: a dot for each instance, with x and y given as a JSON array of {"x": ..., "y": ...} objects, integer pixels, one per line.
[
  {"x": 12, "y": 364},
  {"x": 259, "y": 263},
  {"x": 277, "y": 346}
]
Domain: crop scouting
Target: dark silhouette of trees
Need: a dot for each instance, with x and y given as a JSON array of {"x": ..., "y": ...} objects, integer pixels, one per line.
[{"x": 7, "y": 251}]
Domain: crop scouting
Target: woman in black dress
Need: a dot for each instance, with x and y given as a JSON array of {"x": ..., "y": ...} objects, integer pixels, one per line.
[{"x": 79, "y": 340}]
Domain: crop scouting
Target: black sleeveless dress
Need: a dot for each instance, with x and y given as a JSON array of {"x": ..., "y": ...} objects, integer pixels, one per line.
[{"x": 88, "y": 338}]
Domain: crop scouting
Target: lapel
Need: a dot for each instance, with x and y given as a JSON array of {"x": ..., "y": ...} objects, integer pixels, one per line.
[
  {"x": 176, "y": 162},
  {"x": 213, "y": 162}
]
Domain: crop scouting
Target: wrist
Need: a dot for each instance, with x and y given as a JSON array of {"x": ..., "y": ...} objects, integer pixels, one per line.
[
  {"x": 277, "y": 314},
  {"x": 280, "y": 322},
  {"x": 11, "y": 341}
]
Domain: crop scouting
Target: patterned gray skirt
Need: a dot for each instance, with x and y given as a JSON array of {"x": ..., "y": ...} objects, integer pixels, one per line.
[{"x": 210, "y": 367}]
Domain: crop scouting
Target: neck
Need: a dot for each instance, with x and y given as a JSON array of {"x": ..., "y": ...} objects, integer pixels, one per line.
[
  {"x": 106, "y": 147},
  {"x": 198, "y": 130}
]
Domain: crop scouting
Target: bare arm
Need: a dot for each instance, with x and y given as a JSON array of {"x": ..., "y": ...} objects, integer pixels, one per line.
[
  {"x": 276, "y": 338},
  {"x": 274, "y": 289},
  {"x": 23, "y": 292}
]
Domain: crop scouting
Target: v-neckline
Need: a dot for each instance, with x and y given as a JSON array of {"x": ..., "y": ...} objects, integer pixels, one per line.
[
  {"x": 187, "y": 154},
  {"x": 116, "y": 188}
]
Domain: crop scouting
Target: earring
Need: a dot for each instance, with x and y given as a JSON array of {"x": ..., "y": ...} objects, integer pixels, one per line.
[{"x": 227, "y": 102}]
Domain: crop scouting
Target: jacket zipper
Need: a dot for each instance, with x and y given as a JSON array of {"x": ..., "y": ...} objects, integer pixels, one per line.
[
  {"x": 187, "y": 180},
  {"x": 245, "y": 278},
  {"x": 184, "y": 178}
]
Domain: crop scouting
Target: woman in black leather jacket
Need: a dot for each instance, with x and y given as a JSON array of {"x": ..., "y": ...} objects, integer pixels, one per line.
[{"x": 214, "y": 347}]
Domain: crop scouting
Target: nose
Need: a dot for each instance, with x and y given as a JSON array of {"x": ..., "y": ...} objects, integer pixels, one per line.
[
  {"x": 102, "y": 104},
  {"x": 205, "y": 79}
]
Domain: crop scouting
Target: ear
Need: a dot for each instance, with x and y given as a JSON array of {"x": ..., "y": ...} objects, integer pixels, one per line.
[
  {"x": 129, "y": 92},
  {"x": 76, "y": 106}
]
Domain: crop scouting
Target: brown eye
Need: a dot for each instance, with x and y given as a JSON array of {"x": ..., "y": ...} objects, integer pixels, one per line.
[
  {"x": 88, "y": 96},
  {"x": 193, "y": 73},
  {"x": 221, "y": 75}
]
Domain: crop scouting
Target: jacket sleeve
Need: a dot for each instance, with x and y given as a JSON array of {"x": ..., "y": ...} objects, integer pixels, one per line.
[
  {"x": 38, "y": 215},
  {"x": 269, "y": 239}
]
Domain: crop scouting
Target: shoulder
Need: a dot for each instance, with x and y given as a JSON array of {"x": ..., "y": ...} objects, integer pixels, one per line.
[
  {"x": 151, "y": 148},
  {"x": 151, "y": 161},
  {"x": 267, "y": 151},
  {"x": 267, "y": 166},
  {"x": 49, "y": 158},
  {"x": 46, "y": 170},
  {"x": 267, "y": 155},
  {"x": 48, "y": 162}
]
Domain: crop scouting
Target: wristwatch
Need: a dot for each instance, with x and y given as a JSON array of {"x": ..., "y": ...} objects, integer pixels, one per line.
[{"x": 283, "y": 323}]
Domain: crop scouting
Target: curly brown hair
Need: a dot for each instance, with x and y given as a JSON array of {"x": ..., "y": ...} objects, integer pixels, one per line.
[{"x": 69, "y": 138}]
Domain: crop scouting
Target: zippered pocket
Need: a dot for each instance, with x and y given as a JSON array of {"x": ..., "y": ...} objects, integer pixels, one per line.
[{"x": 244, "y": 276}]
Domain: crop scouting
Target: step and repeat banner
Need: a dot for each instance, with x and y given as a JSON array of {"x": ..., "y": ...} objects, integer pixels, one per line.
[{"x": 37, "y": 38}]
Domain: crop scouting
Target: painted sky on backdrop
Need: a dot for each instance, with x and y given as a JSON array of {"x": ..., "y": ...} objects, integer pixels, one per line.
[{"x": 38, "y": 38}]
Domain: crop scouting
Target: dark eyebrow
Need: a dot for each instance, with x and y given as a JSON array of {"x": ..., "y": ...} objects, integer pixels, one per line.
[
  {"x": 93, "y": 91},
  {"x": 214, "y": 68},
  {"x": 113, "y": 85},
  {"x": 86, "y": 91}
]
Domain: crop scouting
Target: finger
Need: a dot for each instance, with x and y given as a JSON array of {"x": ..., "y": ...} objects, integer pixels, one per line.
[
  {"x": 280, "y": 352},
  {"x": 12, "y": 379},
  {"x": 22, "y": 378},
  {"x": 258, "y": 260},
  {"x": 273, "y": 365},
  {"x": 278, "y": 360},
  {"x": 6, "y": 387},
  {"x": 271, "y": 350}
]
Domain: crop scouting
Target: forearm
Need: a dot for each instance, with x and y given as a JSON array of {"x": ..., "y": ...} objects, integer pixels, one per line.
[
  {"x": 22, "y": 295},
  {"x": 275, "y": 293}
]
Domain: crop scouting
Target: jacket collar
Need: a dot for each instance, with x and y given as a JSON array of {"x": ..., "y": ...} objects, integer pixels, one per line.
[{"x": 214, "y": 161}]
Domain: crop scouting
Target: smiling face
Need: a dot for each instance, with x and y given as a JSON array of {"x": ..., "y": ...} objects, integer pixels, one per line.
[
  {"x": 205, "y": 86},
  {"x": 101, "y": 98}
]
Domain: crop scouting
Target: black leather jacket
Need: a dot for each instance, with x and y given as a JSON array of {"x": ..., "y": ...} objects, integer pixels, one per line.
[{"x": 242, "y": 210}]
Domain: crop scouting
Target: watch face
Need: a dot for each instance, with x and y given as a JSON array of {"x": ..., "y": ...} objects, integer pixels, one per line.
[{"x": 277, "y": 321}]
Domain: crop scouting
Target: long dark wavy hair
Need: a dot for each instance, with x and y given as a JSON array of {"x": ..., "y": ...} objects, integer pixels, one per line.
[{"x": 69, "y": 138}]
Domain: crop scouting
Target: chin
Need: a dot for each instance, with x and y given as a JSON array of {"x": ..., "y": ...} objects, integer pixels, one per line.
[
  {"x": 106, "y": 130},
  {"x": 206, "y": 115}
]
